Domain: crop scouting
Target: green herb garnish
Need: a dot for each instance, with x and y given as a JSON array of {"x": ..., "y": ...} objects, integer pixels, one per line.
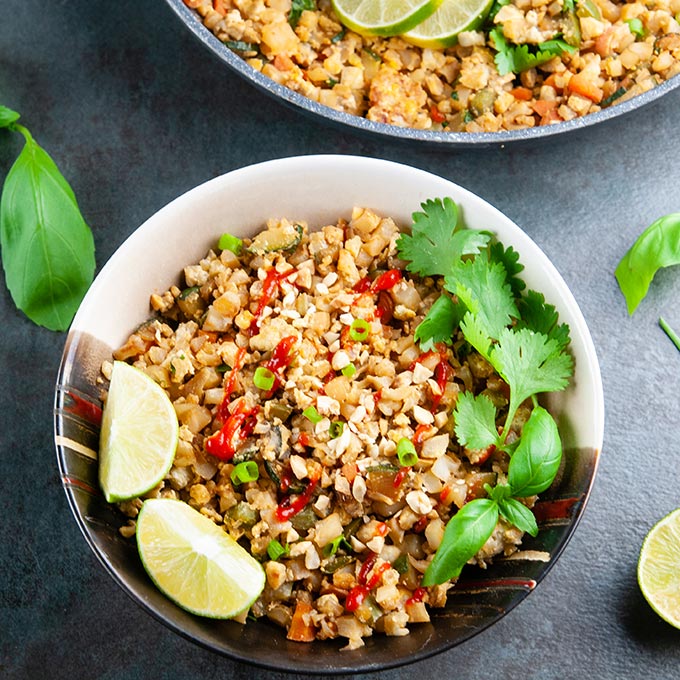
[
  {"x": 636, "y": 28},
  {"x": 675, "y": 339},
  {"x": 263, "y": 378},
  {"x": 231, "y": 243},
  {"x": 359, "y": 330},
  {"x": 372, "y": 54},
  {"x": 333, "y": 546},
  {"x": 607, "y": 101},
  {"x": 406, "y": 452},
  {"x": 658, "y": 246},
  {"x": 240, "y": 46},
  {"x": 518, "y": 333},
  {"x": 245, "y": 472},
  {"x": 339, "y": 36},
  {"x": 47, "y": 248},
  {"x": 297, "y": 8},
  {"x": 275, "y": 550},
  {"x": 518, "y": 58},
  {"x": 312, "y": 415}
]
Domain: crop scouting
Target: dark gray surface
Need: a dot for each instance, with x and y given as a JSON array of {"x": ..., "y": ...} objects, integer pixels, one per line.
[{"x": 135, "y": 112}]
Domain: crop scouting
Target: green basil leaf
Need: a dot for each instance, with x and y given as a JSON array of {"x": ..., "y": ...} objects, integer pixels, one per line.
[
  {"x": 519, "y": 515},
  {"x": 658, "y": 246},
  {"x": 536, "y": 460},
  {"x": 7, "y": 116},
  {"x": 466, "y": 532},
  {"x": 498, "y": 493},
  {"x": 47, "y": 248}
]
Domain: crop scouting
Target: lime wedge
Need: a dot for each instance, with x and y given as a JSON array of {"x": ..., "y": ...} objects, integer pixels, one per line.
[
  {"x": 383, "y": 17},
  {"x": 659, "y": 568},
  {"x": 452, "y": 17},
  {"x": 138, "y": 436},
  {"x": 194, "y": 562}
]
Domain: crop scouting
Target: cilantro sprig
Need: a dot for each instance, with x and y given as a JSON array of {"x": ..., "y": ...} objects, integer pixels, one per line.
[
  {"x": 517, "y": 58},
  {"x": 519, "y": 334}
]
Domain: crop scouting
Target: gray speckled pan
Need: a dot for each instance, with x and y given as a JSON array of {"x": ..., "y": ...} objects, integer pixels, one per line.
[
  {"x": 240, "y": 202},
  {"x": 430, "y": 138}
]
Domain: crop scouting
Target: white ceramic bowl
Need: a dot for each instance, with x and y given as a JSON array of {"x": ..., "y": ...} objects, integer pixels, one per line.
[{"x": 319, "y": 190}]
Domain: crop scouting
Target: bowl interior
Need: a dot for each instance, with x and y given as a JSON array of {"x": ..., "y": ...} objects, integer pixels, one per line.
[
  {"x": 319, "y": 190},
  {"x": 192, "y": 21}
]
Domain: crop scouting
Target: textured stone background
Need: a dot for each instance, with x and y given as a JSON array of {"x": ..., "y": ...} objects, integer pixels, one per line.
[{"x": 135, "y": 112}]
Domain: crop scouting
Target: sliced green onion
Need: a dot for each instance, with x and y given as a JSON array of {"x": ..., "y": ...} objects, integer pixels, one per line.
[
  {"x": 332, "y": 547},
  {"x": 188, "y": 291},
  {"x": 339, "y": 36},
  {"x": 406, "y": 452},
  {"x": 669, "y": 332},
  {"x": 275, "y": 550},
  {"x": 335, "y": 429},
  {"x": 223, "y": 368},
  {"x": 636, "y": 27},
  {"x": 312, "y": 415},
  {"x": 263, "y": 378},
  {"x": 349, "y": 370},
  {"x": 231, "y": 243},
  {"x": 245, "y": 472},
  {"x": 359, "y": 329}
]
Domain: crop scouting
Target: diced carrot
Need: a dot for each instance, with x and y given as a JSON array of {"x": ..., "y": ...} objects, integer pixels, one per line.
[
  {"x": 193, "y": 4},
  {"x": 543, "y": 107},
  {"x": 283, "y": 62},
  {"x": 551, "y": 80},
  {"x": 349, "y": 471},
  {"x": 523, "y": 93},
  {"x": 582, "y": 84},
  {"x": 220, "y": 6},
  {"x": 301, "y": 629},
  {"x": 547, "y": 110}
]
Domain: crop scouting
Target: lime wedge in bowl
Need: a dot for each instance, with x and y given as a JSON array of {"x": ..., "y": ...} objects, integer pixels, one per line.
[
  {"x": 383, "y": 17},
  {"x": 195, "y": 562},
  {"x": 138, "y": 436},
  {"x": 452, "y": 17},
  {"x": 659, "y": 568}
]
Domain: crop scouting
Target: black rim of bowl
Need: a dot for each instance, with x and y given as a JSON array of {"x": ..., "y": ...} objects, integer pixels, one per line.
[{"x": 362, "y": 125}]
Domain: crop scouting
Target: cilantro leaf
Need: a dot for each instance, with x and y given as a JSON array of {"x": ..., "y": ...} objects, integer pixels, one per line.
[
  {"x": 435, "y": 243},
  {"x": 518, "y": 58},
  {"x": 482, "y": 286},
  {"x": 518, "y": 514},
  {"x": 540, "y": 317},
  {"x": 475, "y": 334},
  {"x": 296, "y": 9},
  {"x": 509, "y": 258},
  {"x": 439, "y": 324},
  {"x": 475, "y": 418},
  {"x": 530, "y": 363}
]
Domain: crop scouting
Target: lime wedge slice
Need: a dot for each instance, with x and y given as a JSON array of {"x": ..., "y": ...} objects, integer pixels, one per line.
[
  {"x": 194, "y": 562},
  {"x": 138, "y": 435},
  {"x": 659, "y": 568},
  {"x": 383, "y": 17},
  {"x": 452, "y": 17}
]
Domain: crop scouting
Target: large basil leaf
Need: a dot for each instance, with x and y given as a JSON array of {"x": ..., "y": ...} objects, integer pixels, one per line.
[
  {"x": 466, "y": 532},
  {"x": 47, "y": 248},
  {"x": 658, "y": 246},
  {"x": 535, "y": 462}
]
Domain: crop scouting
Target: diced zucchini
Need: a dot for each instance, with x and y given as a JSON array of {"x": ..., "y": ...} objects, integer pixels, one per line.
[{"x": 285, "y": 238}]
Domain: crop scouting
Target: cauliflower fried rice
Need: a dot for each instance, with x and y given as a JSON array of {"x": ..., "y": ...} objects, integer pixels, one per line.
[
  {"x": 621, "y": 49},
  {"x": 343, "y": 528}
]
